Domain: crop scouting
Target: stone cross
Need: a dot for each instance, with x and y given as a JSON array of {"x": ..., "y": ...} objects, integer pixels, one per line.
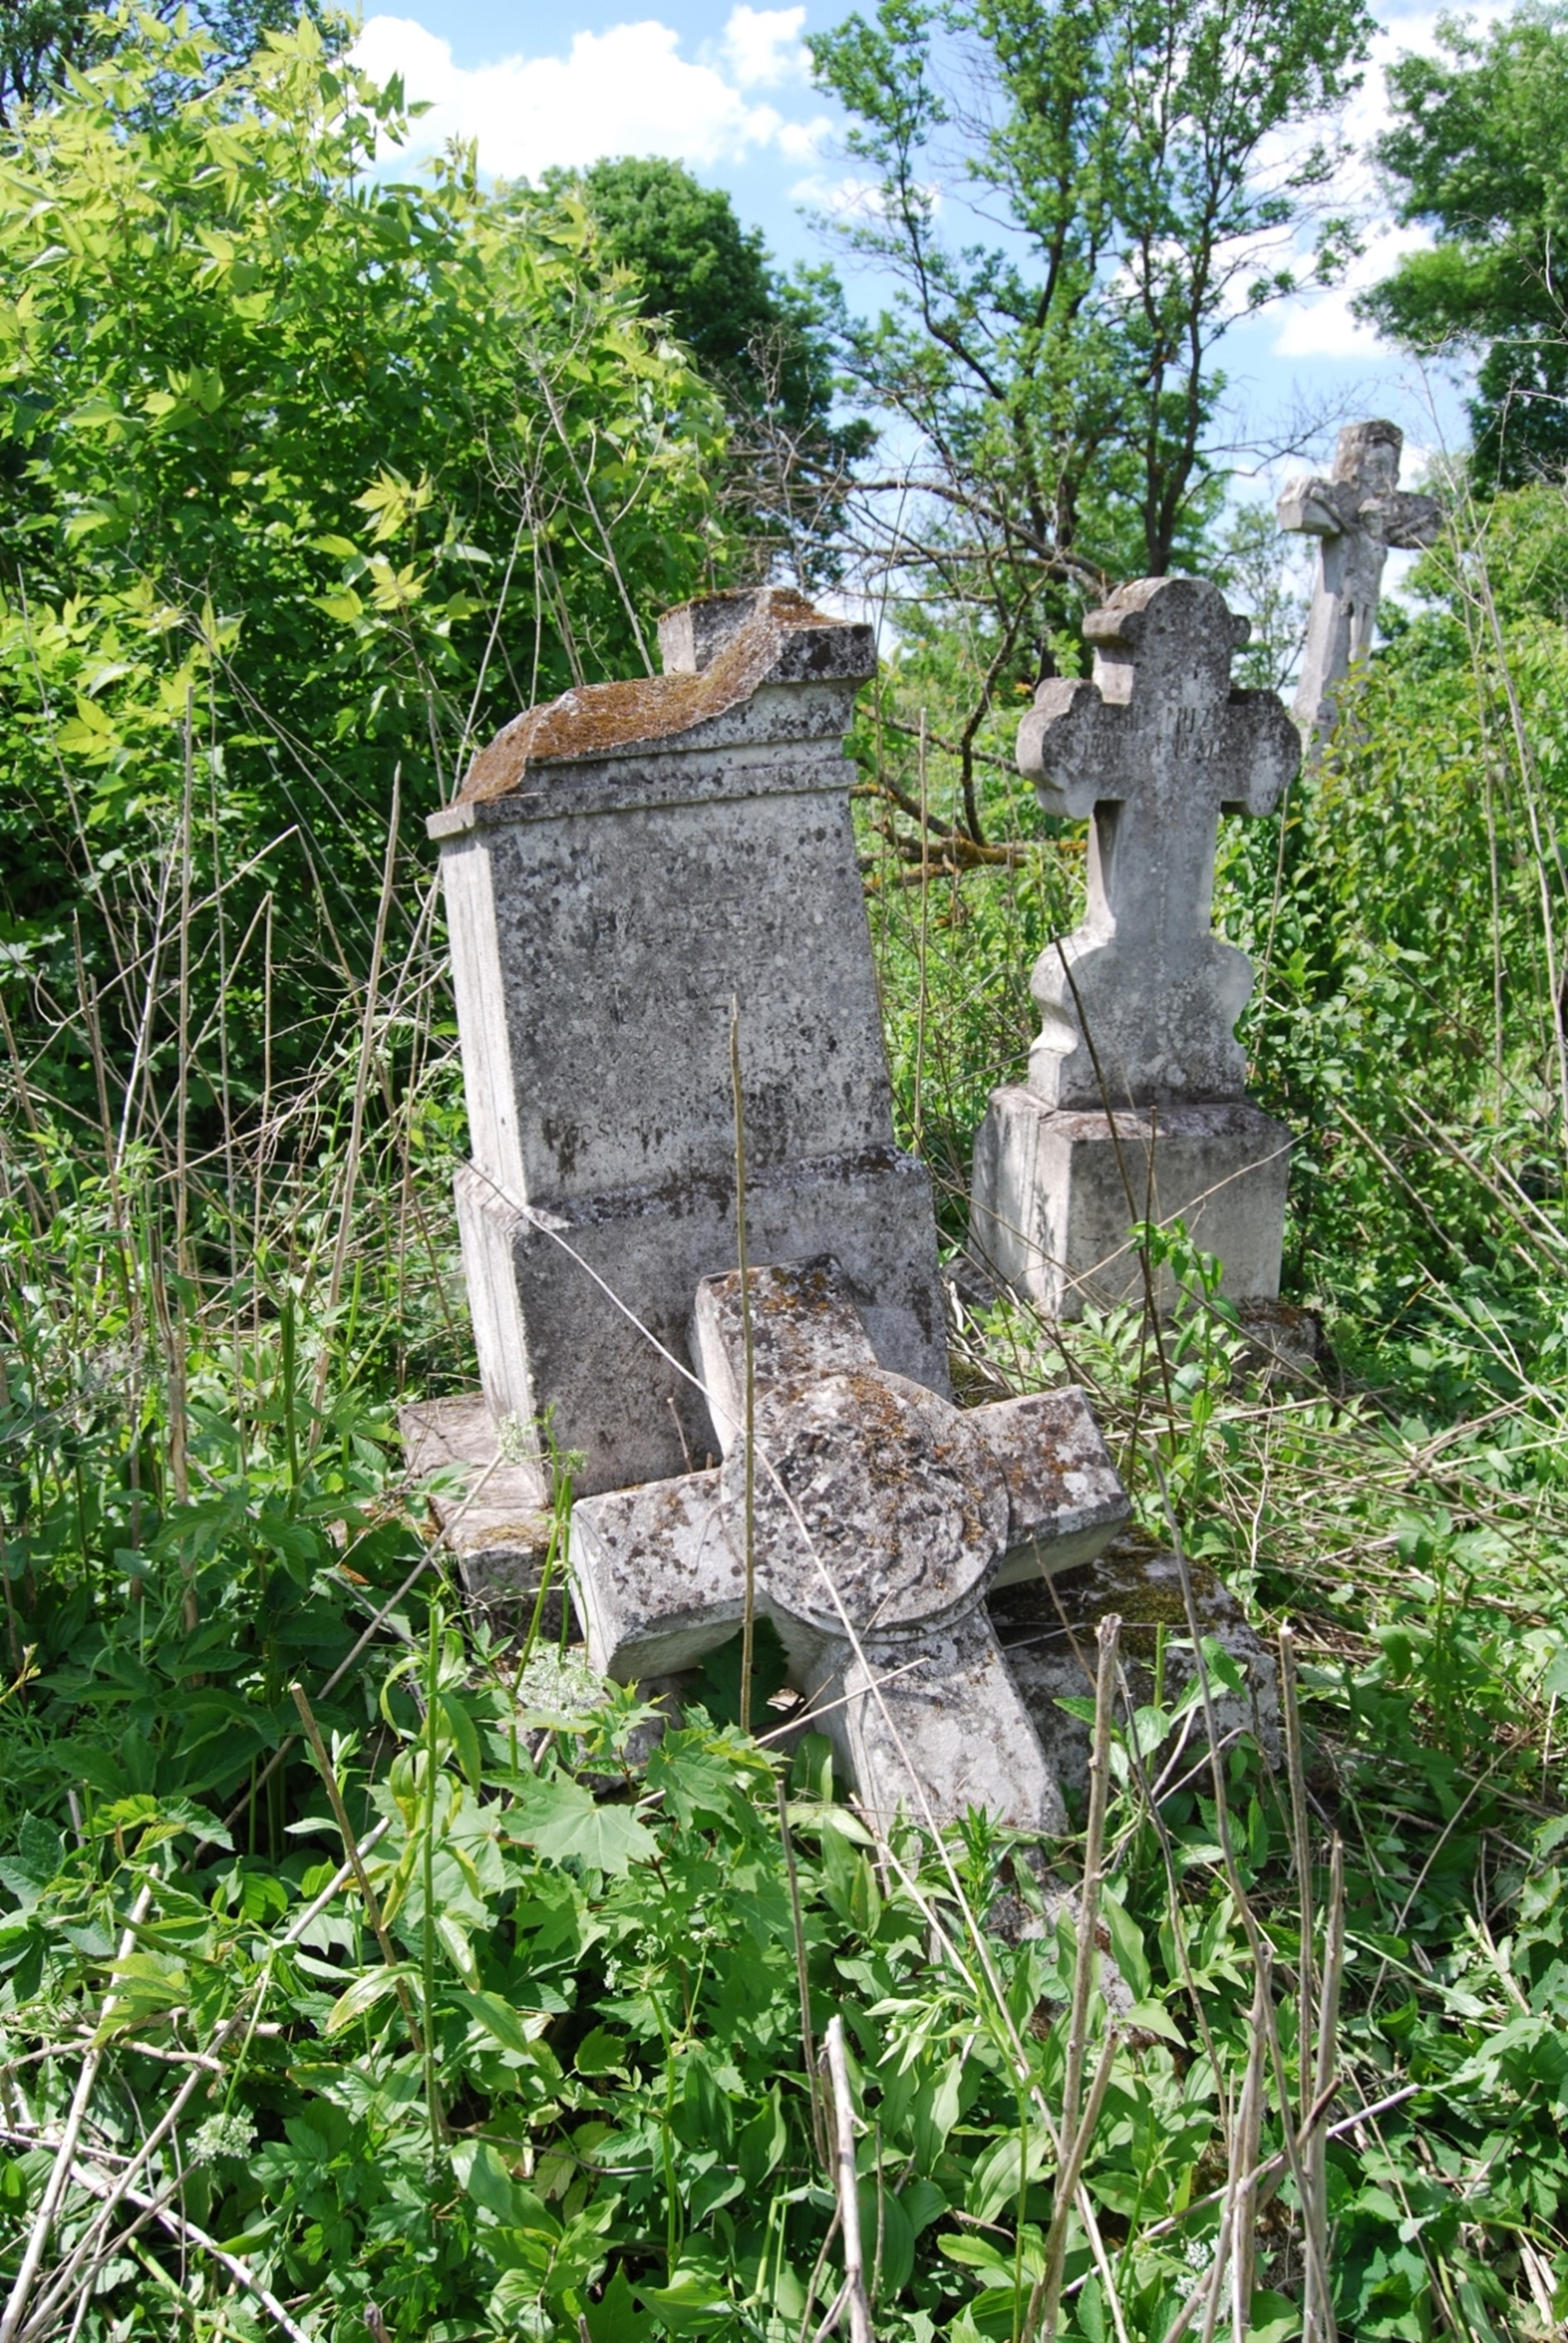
[
  {"x": 1154, "y": 749},
  {"x": 882, "y": 1515},
  {"x": 1357, "y": 514}
]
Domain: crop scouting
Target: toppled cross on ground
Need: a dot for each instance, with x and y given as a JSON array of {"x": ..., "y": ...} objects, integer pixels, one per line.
[{"x": 882, "y": 1517}]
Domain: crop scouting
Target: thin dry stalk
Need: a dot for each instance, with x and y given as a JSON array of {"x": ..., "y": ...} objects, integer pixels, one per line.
[
  {"x": 1070, "y": 2158},
  {"x": 1295, "y": 1767},
  {"x": 1318, "y": 2322},
  {"x": 853, "y": 2296},
  {"x": 802, "y": 1975},
  {"x": 923, "y": 948},
  {"x": 1241, "y": 2211},
  {"x": 356, "y": 1114},
  {"x": 65, "y": 2156},
  {"x": 1045, "y": 2303},
  {"x": 749, "y": 1396}
]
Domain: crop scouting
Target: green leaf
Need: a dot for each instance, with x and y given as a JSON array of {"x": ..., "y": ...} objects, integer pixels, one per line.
[
  {"x": 514, "y": 2029},
  {"x": 361, "y": 1996},
  {"x": 464, "y": 1736},
  {"x": 559, "y": 1819}
]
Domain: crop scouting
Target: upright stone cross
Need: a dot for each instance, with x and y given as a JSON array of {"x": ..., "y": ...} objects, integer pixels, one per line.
[
  {"x": 1135, "y": 1094},
  {"x": 1154, "y": 749},
  {"x": 882, "y": 1516},
  {"x": 1357, "y": 514}
]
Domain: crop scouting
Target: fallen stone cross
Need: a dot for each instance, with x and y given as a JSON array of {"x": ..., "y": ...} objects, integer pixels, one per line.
[
  {"x": 1135, "y": 1091},
  {"x": 1357, "y": 515},
  {"x": 619, "y": 866},
  {"x": 882, "y": 1517}
]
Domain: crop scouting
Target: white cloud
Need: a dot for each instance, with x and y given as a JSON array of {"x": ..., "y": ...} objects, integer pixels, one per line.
[
  {"x": 764, "y": 47},
  {"x": 627, "y": 91},
  {"x": 1319, "y": 324}
]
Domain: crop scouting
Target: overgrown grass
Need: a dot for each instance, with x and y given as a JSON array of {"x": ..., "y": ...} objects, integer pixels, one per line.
[{"x": 512, "y": 2029}]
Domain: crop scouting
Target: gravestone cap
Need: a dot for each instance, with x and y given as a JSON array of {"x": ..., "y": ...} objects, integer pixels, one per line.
[{"x": 719, "y": 654}]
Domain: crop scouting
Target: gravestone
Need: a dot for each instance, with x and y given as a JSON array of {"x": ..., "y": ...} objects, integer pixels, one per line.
[
  {"x": 883, "y": 1515},
  {"x": 1356, "y": 514},
  {"x": 1135, "y": 1107},
  {"x": 619, "y": 867}
]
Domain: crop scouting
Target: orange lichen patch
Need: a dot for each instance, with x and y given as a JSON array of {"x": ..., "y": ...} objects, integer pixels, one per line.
[{"x": 596, "y": 719}]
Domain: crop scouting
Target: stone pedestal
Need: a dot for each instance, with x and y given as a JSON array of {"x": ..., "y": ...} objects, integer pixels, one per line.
[
  {"x": 1051, "y": 1210},
  {"x": 621, "y": 867}
]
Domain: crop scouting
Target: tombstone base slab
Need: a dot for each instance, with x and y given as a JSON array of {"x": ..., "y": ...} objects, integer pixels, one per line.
[
  {"x": 545, "y": 1324},
  {"x": 1046, "y": 1633},
  {"x": 1050, "y": 1207},
  {"x": 496, "y": 1517}
]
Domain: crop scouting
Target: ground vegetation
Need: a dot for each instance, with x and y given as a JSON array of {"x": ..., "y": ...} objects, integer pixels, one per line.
[{"x": 362, "y": 1969}]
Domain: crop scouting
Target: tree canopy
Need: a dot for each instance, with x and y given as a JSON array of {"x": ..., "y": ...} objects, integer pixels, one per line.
[
  {"x": 764, "y": 339},
  {"x": 42, "y": 40},
  {"x": 1479, "y": 152},
  {"x": 1139, "y": 172},
  {"x": 314, "y": 472}
]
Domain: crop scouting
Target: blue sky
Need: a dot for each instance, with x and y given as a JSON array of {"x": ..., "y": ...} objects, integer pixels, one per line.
[{"x": 725, "y": 86}]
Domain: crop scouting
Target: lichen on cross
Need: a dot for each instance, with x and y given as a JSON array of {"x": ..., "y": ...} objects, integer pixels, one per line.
[{"x": 882, "y": 1516}]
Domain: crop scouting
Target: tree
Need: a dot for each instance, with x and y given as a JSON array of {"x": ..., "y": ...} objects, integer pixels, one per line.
[
  {"x": 1139, "y": 172},
  {"x": 42, "y": 40},
  {"x": 1479, "y": 151},
  {"x": 763, "y": 339},
  {"x": 310, "y": 477}
]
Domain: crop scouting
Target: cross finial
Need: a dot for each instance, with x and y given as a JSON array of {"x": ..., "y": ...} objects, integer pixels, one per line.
[
  {"x": 882, "y": 1516},
  {"x": 1357, "y": 514},
  {"x": 1154, "y": 748}
]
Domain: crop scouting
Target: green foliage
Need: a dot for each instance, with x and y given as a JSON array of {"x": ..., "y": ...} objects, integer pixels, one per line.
[
  {"x": 1148, "y": 168},
  {"x": 1477, "y": 152},
  {"x": 763, "y": 339},
  {"x": 312, "y": 478},
  {"x": 43, "y": 42}
]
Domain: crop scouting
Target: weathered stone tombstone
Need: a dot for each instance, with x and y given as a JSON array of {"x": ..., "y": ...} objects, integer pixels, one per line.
[
  {"x": 619, "y": 866},
  {"x": 883, "y": 1517},
  {"x": 1357, "y": 516},
  {"x": 1135, "y": 1105}
]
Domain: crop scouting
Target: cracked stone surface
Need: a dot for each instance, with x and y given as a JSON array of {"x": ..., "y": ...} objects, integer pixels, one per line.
[{"x": 882, "y": 1516}]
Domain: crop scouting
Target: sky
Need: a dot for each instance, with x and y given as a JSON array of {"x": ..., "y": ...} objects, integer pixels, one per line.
[{"x": 725, "y": 87}]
